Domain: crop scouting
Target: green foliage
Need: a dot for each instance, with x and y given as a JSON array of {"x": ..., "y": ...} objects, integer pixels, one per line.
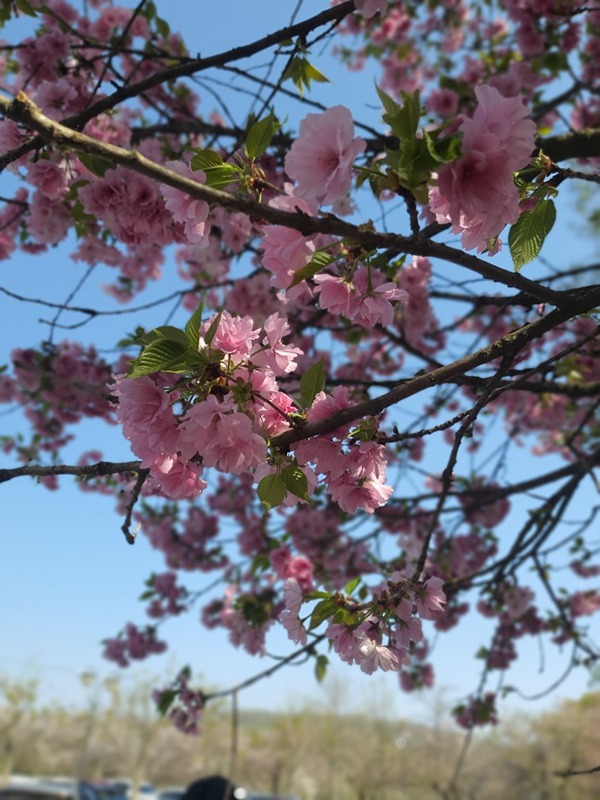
[
  {"x": 319, "y": 261},
  {"x": 302, "y": 73},
  {"x": 9, "y": 7},
  {"x": 218, "y": 173},
  {"x": 212, "y": 329},
  {"x": 161, "y": 355},
  {"x": 169, "y": 349},
  {"x": 527, "y": 235},
  {"x": 295, "y": 481},
  {"x": 351, "y": 585},
  {"x": 192, "y": 328},
  {"x": 260, "y": 135},
  {"x": 321, "y": 664},
  {"x": 418, "y": 153},
  {"x": 322, "y": 611},
  {"x": 312, "y": 382},
  {"x": 165, "y": 700},
  {"x": 271, "y": 491},
  {"x": 96, "y": 165}
]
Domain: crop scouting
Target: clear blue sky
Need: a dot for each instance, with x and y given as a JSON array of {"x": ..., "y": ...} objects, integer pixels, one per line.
[{"x": 68, "y": 578}]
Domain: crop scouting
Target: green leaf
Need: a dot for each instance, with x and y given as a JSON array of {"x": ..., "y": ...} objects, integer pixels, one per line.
[
  {"x": 161, "y": 355},
  {"x": 389, "y": 104},
  {"x": 321, "y": 665},
  {"x": 218, "y": 173},
  {"x": 321, "y": 612},
  {"x": 351, "y": 585},
  {"x": 259, "y": 136},
  {"x": 527, "y": 235},
  {"x": 260, "y": 563},
  {"x": 206, "y": 159},
  {"x": 271, "y": 491},
  {"x": 311, "y": 383},
  {"x": 319, "y": 261},
  {"x": 403, "y": 120},
  {"x": 301, "y": 72},
  {"x": 165, "y": 700},
  {"x": 168, "y": 332},
  {"x": 96, "y": 165},
  {"x": 192, "y": 328},
  {"x": 163, "y": 27},
  {"x": 212, "y": 329},
  {"x": 25, "y": 8},
  {"x": 447, "y": 149},
  {"x": 295, "y": 481},
  {"x": 317, "y": 595}
]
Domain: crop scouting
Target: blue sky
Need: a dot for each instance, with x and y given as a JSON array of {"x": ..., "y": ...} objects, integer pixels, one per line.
[{"x": 68, "y": 578}]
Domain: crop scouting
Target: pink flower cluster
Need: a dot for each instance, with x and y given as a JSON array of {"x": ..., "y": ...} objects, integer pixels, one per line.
[
  {"x": 478, "y": 711},
  {"x": 225, "y": 430},
  {"x": 354, "y": 471},
  {"x": 363, "y": 644},
  {"x": 133, "y": 645},
  {"x": 182, "y": 704},
  {"x": 168, "y": 596},
  {"x": 477, "y": 193},
  {"x": 290, "y": 616},
  {"x": 366, "y": 299}
]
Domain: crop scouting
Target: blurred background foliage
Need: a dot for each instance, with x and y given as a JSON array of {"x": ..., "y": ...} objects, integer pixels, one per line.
[{"x": 316, "y": 753}]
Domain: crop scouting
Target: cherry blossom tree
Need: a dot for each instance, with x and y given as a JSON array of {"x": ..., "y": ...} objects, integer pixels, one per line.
[{"x": 370, "y": 339}]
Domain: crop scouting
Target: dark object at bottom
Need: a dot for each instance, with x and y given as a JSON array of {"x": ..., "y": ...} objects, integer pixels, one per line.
[{"x": 215, "y": 787}]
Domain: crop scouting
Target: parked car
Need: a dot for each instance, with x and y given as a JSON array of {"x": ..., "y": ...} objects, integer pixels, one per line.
[
  {"x": 34, "y": 791},
  {"x": 52, "y": 789},
  {"x": 171, "y": 793},
  {"x": 61, "y": 788},
  {"x": 124, "y": 789}
]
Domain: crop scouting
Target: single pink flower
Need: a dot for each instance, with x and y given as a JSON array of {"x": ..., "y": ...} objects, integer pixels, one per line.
[
  {"x": 193, "y": 214},
  {"x": 321, "y": 158},
  {"x": 430, "y": 598}
]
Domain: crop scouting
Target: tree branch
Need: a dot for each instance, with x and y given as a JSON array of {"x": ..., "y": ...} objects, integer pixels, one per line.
[{"x": 23, "y": 110}]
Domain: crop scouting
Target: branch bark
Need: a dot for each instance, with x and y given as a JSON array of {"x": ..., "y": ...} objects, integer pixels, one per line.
[{"x": 22, "y": 110}]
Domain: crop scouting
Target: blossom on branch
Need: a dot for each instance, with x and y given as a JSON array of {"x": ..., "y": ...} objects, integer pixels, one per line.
[
  {"x": 477, "y": 193},
  {"x": 321, "y": 158}
]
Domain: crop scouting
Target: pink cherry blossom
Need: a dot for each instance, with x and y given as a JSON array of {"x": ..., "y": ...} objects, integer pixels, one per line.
[
  {"x": 294, "y": 627},
  {"x": 430, "y": 598},
  {"x": 273, "y": 354},
  {"x": 193, "y": 214},
  {"x": 368, "y": 8},
  {"x": 321, "y": 158},
  {"x": 351, "y": 495},
  {"x": 372, "y": 656},
  {"x": 477, "y": 193},
  {"x": 336, "y": 295},
  {"x": 234, "y": 335},
  {"x": 177, "y": 479},
  {"x": 285, "y": 250},
  {"x": 49, "y": 178},
  {"x": 222, "y": 436},
  {"x": 292, "y": 595}
]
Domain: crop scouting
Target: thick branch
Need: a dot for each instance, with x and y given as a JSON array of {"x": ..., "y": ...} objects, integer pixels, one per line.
[
  {"x": 90, "y": 471},
  {"x": 21, "y": 109},
  {"x": 583, "y": 144},
  {"x": 511, "y": 343},
  {"x": 191, "y": 67}
]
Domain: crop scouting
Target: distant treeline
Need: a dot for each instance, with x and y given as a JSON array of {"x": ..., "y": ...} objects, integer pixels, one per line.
[{"x": 325, "y": 755}]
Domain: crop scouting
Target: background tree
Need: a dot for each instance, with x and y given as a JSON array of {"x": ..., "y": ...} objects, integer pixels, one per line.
[{"x": 333, "y": 330}]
